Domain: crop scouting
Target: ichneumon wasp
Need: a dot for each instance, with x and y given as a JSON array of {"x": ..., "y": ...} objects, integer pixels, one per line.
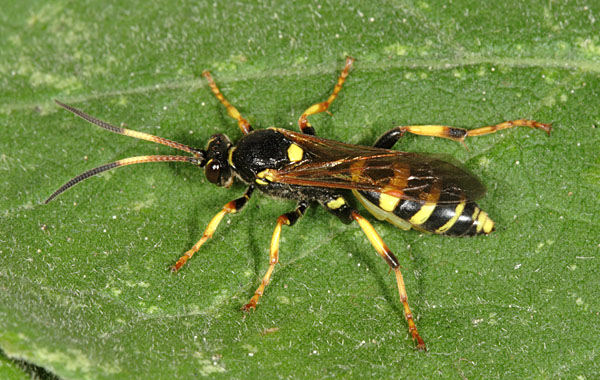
[{"x": 406, "y": 189}]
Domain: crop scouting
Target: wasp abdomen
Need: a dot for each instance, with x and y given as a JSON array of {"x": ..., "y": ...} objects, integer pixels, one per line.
[{"x": 461, "y": 218}]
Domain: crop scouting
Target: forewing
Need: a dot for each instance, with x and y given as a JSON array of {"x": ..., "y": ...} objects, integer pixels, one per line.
[{"x": 332, "y": 164}]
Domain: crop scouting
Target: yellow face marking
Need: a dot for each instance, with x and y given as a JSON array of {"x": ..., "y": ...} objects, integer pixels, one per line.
[
  {"x": 457, "y": 212},
  {"x": 388, "y": 202},
  {"x": 261, "y": 182},
  {"x": 230, "y": 157},
  {"x": 336, "y": 203},
  {"x": 481, "y": 218},
  {"x": 488, "y": 225},
  {"x": 423, "y": 214},
  {"x": 295, "y": 153}
]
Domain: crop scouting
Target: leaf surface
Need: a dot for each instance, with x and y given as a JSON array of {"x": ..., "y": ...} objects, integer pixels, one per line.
[{"x": 84, "y": 286}]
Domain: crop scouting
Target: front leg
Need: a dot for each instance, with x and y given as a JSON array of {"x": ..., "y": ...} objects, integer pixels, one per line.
[{"x": 230, "y": 208}]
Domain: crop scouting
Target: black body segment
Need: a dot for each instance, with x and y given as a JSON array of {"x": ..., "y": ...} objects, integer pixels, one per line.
[{"x": 260, "y": 150}]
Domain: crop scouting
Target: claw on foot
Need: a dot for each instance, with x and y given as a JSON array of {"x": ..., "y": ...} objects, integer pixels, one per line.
[
  {"x": 249, "y": 306},
  {"x": 421, "y": 344},
  {"x": 545, "y": 127}
]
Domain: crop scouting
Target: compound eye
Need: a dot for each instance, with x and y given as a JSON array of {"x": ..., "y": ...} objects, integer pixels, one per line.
[{"x": 213, "y": 171}]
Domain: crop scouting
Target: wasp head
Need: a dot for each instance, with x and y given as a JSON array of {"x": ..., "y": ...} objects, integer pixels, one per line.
[{"x": 217, "y": 169}]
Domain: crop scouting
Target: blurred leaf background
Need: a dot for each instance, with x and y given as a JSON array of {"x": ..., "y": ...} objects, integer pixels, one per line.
[{"x": 84, "y": 287}]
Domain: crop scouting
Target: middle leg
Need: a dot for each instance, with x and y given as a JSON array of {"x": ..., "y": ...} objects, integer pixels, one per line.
[{"x": 288, "y": 219}]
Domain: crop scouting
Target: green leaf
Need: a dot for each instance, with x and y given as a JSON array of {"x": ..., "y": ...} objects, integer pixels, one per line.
[
  {"x": 11, "y": 370},
  {"x": 84, "y": 286}
]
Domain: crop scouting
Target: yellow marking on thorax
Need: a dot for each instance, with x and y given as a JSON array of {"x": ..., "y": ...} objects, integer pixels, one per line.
[
  {"x": 336, "y": 203},
  {"x": 266, "y": 174},
  {"x": 295, "y": 153},
  {"x": 457, "y": 212}
]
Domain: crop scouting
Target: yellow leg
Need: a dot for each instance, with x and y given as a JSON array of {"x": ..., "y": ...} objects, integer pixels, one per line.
[
  {"x": 230, "y": 208},
  {"x": 323, "y": 106},
  {"x": 287, "y": 219},
  {"x": 457, "y": 134},
  {"x": 231, "y": 110},
  {"x": 389, "y": 257}
]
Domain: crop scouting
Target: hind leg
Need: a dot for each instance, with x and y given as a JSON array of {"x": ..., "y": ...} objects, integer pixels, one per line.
[{"x": 388, "y": 139}]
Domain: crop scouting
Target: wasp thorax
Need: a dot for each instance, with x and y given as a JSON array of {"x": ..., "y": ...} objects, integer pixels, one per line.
[{"x": 217, "y": 169}]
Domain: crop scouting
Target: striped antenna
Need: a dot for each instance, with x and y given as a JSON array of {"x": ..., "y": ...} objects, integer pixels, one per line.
[
  {"x": 129, "y": 132},
  {"x": 126, "y": 161},
  {"x": 199, "y": 155}
]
